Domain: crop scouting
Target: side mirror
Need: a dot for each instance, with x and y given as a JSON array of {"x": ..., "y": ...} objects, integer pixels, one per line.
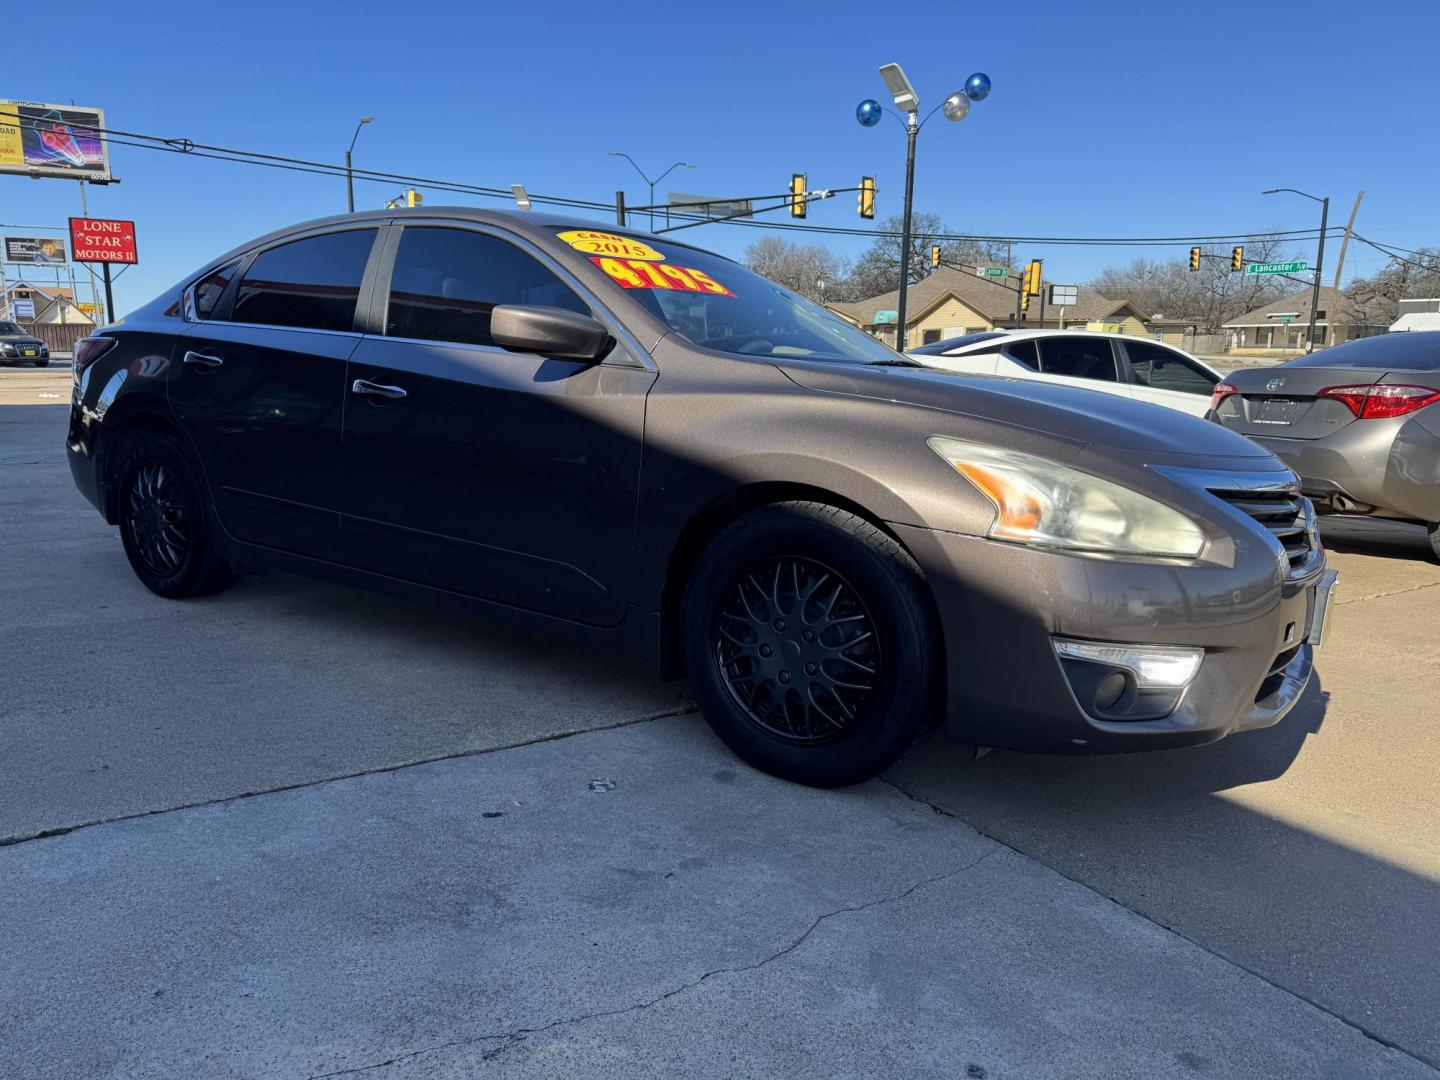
[{"x": 549, "y": 331}]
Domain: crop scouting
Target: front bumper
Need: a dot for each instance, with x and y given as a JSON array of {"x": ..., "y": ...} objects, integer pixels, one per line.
[{"x": 1002, "y": 605}]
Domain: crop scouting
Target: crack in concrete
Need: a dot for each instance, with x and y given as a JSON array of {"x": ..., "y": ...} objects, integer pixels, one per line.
[
  {"x": 1353, "y": 1025},
  {"x": 1392, "y": 592},
  {"x": 508, "y": 1039},
  {"x": 64, "y": 830}
]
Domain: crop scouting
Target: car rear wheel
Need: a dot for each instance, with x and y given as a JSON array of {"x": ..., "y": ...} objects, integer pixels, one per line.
[
  {"x": 811, "y": 644},
  {"x": 163, "y": 524}
]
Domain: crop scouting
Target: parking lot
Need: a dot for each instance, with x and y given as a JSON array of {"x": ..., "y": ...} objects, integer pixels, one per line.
[{"x": 297, "y": 829}]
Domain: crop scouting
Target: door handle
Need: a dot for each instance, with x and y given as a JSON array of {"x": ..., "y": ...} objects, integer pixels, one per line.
[
  {"x": 203, "y": 360},
  {"x": 366, "y": 388}
]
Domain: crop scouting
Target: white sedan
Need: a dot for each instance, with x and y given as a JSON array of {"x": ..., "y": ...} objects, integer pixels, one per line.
[{"x": 1112, "y": 363}]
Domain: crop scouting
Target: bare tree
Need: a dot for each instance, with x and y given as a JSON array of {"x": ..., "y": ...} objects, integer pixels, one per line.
[
  {"x": 1375, "y": 301},
  {"x": 814, "y": 272},
  {"x": 878, "y": 268}
]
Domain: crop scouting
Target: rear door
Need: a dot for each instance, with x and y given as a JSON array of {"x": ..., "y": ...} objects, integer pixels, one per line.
[
  {"x": 504, "y": 475},
  {"x": 259, "y": 390},
  {"x": 1165, "y": 376},
  {"x": 1084, "y": 360}
]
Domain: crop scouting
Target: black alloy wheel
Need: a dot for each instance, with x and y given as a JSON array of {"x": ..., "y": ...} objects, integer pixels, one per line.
[
  {"x": 797, "y": 649},
  {"x": 811, "y": 643},
  {"x": 158, "y": 518},
  {"x": 162, "y": 520}
]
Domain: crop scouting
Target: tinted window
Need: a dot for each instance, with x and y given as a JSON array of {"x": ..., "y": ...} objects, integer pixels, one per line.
[
  {"x": 939, "y": 347},
  {"x": 9, "y": 328},
  {"x": 1165, "y": 370},
  {"x": 1078, "y": 358},
  {"x": 312, "y": 283},
  {"x": 210, "y": 288},
  {"x": 1024, "y": 351},
  {"x": 1414, "y": 351},
  {"x": 446, "y": 282}
]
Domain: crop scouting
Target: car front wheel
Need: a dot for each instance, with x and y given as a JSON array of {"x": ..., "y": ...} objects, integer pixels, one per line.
[
  {"x": 811, "y": 644},
  {"x": 1434, "y": 534},
  {"x": 163, "y": 525}
]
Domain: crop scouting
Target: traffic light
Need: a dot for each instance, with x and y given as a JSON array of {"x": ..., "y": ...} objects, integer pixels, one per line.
[
  {"x": 1237, "y": 259},
  {"x": 1194, "y": 258},
  {"x": 413, "y": 198},
  {"x": 934, "y": 256},
  {"x": 1031, "y": 284},
  {"x": 797, "y": 195},
  {"x": 1025, "y": 297},
  {"x": 867, "y": 196}
]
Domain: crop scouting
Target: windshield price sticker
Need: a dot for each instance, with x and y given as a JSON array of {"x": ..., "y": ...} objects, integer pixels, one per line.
[
  {"x": 602, "y": 243},
  {"x": 638, "y": 274}
]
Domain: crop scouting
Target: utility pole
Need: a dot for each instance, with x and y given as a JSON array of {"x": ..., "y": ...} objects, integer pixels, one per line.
[
  {"x": 349, "y": 173},
  {"x": 1319, "y": 262},
  {"x": 1345, "y": 241}
]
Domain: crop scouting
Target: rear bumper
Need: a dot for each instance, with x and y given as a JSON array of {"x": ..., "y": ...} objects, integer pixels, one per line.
[
  {"x": 1001, "y": 606},
  {"x": 1392, "y": 466}
]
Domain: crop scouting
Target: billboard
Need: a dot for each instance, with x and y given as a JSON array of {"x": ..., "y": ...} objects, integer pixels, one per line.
[
  {"x": 53, "y": 140},
  {"x": 103, "y": 240},
  {"x": 41, "y": 250}
]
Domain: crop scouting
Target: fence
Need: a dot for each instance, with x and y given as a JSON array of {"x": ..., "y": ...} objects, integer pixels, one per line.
[
  {"x": 61, "y": 337},
  {"x": 1206, "y": 343}
]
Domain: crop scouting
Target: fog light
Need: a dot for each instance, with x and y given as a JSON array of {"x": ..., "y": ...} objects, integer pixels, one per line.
[{"x": 1153, "y": 666}]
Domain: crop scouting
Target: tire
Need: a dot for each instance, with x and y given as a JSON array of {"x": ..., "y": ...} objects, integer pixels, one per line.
[
  {"x": 1433, "y": 531},
  {"x": 163, "y": 521},
  {"x": 840, "y": 700}
]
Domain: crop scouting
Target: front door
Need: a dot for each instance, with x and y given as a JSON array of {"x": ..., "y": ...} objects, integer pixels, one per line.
[
  {"x": 260, "y": 392},
  {"x": 497, "y": 474}
]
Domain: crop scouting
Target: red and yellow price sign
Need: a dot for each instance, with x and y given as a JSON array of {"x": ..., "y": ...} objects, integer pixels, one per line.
[
  {"x": 603, "y": 243},
  {"x": 638, "y": 274}
]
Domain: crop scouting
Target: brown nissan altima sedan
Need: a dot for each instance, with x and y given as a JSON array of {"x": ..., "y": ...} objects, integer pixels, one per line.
[{"x": 628, "y": 433}]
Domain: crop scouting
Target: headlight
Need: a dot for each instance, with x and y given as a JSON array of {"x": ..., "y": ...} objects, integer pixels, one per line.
[
  {"x": 9, "y": 350},
  {"x": 1038, "y": 501}
]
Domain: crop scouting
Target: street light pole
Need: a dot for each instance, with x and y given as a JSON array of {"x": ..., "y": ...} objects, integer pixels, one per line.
[
  {"x": 1319, "y": 258},
  {"x": 868, "y": 113},
  {"x": 349, "y": 173},
  {"x": 912, "y": 129},
  {"x": 651, "y": 183}
]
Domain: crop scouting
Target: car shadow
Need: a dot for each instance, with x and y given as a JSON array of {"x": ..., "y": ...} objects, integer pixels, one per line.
[{"x": 1375, "y": 536}]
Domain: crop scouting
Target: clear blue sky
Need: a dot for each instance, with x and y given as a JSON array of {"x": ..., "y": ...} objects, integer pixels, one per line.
[{"x": 1106, "y": 118}]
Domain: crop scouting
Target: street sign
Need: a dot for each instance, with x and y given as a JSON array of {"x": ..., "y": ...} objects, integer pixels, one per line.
[
  {"x": 705, "y": 206},
  {"x": 103, "y": 240},
  {"x": 1277, "y": 268},
  {"x": 43, "y": 250},
  {"x": 884, "y": 317},
  {"x": 1064, "y": 295},
  {"x": 992, "y": 271}
]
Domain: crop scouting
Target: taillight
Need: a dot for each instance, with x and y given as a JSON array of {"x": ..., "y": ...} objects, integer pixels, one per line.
[
  {"x": 1380, "y": 402},
  {"x": 90, "y": 349},
  {"x": 1222, "y": 391}
]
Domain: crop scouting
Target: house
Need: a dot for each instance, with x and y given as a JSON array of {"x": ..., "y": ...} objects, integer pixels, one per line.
[
  {"x": 1279, "y": 327},
  {"x": 953, "y": 302},
  {"x": 43, "y": 304}
]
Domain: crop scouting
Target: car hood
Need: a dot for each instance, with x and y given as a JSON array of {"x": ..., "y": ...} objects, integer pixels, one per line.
[
  {"x": 1087, "y": 417},
  {"x": 19, "y": 339}
]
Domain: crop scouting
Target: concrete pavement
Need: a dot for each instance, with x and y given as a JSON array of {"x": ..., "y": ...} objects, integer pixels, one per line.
[{"x": 1304, "y": 854}]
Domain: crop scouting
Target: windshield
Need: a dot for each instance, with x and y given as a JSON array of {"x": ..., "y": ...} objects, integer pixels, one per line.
[
  {"x": 720, "y": 305},
  {"x": 10, "y": 328}
]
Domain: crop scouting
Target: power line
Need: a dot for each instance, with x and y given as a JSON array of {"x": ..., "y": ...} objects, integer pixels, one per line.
[{"x": 187, "y": 147}]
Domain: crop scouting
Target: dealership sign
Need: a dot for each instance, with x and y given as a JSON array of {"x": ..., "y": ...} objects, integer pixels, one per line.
[
  {"x": 53, "y": 140},
  {"x": 34, "y": 249},
  {"x": 102, "y": 240}
]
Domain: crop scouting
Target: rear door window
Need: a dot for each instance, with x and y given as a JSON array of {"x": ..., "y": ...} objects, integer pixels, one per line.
[
  {"x": 1078, "y": 358},
  {"x": 312, "y": 283},
  {"x": 1165, "y": 370},
  {"x": 447, "y": 281},
  {"x": 1025, "y": 353}
]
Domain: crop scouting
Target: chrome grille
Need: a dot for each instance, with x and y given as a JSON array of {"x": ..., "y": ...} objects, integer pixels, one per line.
[{"x": 1287, "y": 514}]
